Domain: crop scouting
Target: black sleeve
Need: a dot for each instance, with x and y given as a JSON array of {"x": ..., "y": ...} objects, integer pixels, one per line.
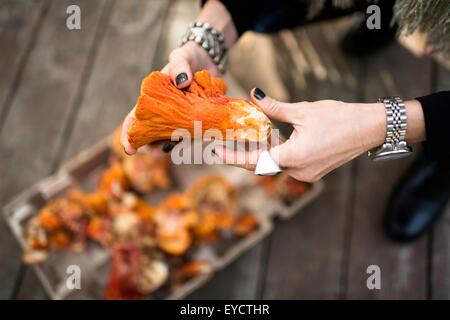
[
  {"x": 436, "y": 110},
  {"x": 269, "y": 16},
  {"x": 243, "y": 12},
  {"x": 265, "y": 16}
]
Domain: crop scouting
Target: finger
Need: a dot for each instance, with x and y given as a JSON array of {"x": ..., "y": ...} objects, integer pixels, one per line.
[
  {"x": 165, "y": 69},
  {"x": 167, "y": 146},
  {"x": 242, "y": 159},
  {"x": 124, "y": 134},
  {"x": 153, "y": 149},
  {"x": 272, "y": 108},
  {"x": 180, "y": 69},
  {"x": 282, "y": 154},
  {"x": 214, "y": 71}
]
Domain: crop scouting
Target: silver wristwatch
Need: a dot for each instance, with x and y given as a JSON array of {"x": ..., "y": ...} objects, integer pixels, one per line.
[
  {"x": 209, "y": 39},
  {"x": 394, "y": 146}
]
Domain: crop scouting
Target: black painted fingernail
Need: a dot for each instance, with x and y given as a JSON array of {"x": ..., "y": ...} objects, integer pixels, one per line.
[
  {"x": 259, "y": 94},
  {"x": 167, "y": 147},
  {"x": 182, "y": 77}
]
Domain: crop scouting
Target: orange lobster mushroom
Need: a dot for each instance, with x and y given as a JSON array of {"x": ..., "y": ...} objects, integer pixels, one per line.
[
  {"x": 162, "y": 108},
  {"x": 174, "y": 218},
  {"x": 214, "y": 198}
]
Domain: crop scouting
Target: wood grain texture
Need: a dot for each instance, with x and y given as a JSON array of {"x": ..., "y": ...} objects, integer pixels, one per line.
[
  {"x": 123, "y": 58},
  {"x": 20, "y": 23},
  {"x": 440, "y": 263},
  {"x": 242, "y": 279},
  {"x": 308, "y": 252},
  {"x": 393, "y": 71},
  {"x": 180, "y": 14},
  {"x": 64, "y": 90},
  {"x": 39, "y": 112}
]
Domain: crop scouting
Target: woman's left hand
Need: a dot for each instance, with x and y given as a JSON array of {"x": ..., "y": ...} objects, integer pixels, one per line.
[{"x": 326, "y": 134}]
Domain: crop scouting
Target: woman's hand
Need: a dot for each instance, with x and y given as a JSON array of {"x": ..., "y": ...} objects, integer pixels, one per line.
[
  {"x": 327, "y": 133},
  {"x": 186, "y": 60},
  {"x": 183, "y": 62}
]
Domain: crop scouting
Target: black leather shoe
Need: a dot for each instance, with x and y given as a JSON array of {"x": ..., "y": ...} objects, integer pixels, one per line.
[{"x": 418, "y": 200}]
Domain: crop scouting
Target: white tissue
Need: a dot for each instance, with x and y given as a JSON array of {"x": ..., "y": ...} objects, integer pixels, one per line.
[{"x": 266, "y": 166}]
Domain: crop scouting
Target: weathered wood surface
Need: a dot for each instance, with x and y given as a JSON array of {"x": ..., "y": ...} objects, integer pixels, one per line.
[
  {"x": 403, "y": 267},
  {"x": 61, "y": 91},
  {"x": 124, "y": 56},
  {"x": 40, "y": 110},
  {"x": 19, "y": 27},
  {"x": 20, "y": 24},
  {"x": 313, "y": 245}
]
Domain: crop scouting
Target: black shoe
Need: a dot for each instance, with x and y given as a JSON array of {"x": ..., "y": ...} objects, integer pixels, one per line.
[
  {"x": 418, "y": 200},
  {"x": 362, "y": 41}
]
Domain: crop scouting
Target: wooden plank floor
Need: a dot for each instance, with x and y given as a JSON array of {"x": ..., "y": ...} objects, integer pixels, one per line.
[{"x": 61, "y": 91}]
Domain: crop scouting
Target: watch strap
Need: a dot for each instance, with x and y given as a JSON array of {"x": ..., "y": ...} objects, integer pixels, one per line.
[{"x": 394, "y": 145}]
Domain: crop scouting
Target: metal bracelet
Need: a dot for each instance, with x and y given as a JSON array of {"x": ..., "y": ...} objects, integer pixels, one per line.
[
  {"x": 209, "y": 39},
  {"x": 394, "y": 145},
  {"x": 396, "y": 119}
]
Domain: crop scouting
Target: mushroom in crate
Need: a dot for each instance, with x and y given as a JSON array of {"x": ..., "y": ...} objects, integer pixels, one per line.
[
  {"x": 216, "y": 202},
  {"x": 61, "y": 224},
  {"x": 214, "y": 198},
  {"x": 129, "y": 220},
  {"x": 175, "y": 218},
  {"x": 145, "y": 171},
  {"x": 155, "y": 250},
  {"x": 283, "y": 187},
  {"x": 113, "y": 181},
  {"x": 133, "y": 274}
]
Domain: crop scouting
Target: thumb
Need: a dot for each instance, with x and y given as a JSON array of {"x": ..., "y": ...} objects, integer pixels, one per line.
[
  {"x": 274, "y": 109},
  {"x": 179, "y": 69}
]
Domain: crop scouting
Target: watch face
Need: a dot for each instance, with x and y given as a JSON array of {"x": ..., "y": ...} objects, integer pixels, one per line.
[{"x": 391, "y": 155}]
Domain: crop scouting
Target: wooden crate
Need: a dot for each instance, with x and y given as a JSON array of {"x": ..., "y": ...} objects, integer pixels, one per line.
[{"x": 83, "y": 172}]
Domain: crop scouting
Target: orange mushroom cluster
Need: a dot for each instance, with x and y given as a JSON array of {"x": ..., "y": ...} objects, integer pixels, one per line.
[
  {"x": 283, "y": 187},
  {"x": 162, "y": 108},
  {"x": 140, "y": 237}
]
